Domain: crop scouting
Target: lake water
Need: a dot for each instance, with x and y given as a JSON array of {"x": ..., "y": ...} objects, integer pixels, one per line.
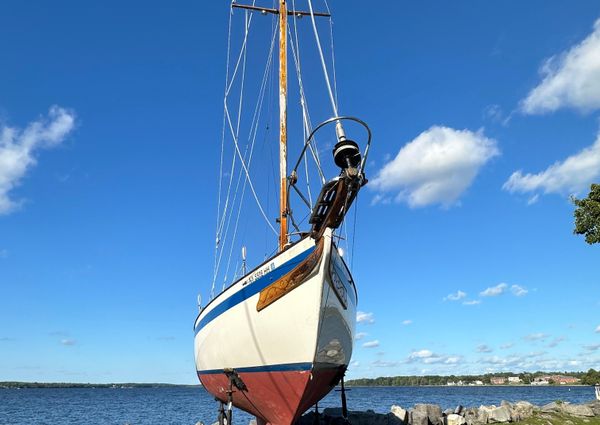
[{"x": 187, "y": 405}]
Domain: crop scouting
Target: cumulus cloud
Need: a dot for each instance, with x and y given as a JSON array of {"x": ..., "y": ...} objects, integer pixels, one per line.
[
  {"x": 362, "y": 317},
  {"x": 371, "y": 344},
  {"x": 556, "y": 341},
  {"x": 384, "y": 363},
  {"x": 437, "y": 167},
  {"x": 360, "y": 335},
  {"x": 519, "y": 291},
  {"x": 18, "y": 149},
  {"x": 494, "y": 291},
  {"x": 459, "y": 295},
  {"x": 570, "y": 176},
  {"x": 570, "y": 79},
  {"x": 592, "y": 347},
  {"x": 483, "y": 348},
  {"x": 429, "y": 357},
  {"x": 536, "y": 337}
]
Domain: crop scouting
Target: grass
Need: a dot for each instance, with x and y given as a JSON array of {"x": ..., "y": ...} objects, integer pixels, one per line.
[{"x": 558, "y": 419}]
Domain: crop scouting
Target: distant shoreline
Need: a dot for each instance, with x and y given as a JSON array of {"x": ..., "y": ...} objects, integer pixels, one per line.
[{"x": 21, "y": 385}]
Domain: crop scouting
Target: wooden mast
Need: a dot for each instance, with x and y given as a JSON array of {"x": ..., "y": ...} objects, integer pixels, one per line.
[{"x": 283, "y": 201}]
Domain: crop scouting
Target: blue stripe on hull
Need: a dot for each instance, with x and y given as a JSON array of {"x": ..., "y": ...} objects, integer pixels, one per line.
[
  {"x": 253, "y": 288},
  {"x": 287, "y": 367}
]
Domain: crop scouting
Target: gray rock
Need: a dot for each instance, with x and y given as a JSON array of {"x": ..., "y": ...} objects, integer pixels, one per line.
[
  {"x": 432, "y": 411},
  {"x": 447, "y": 412},
  {"x": 595, "y": 406},
  {"x": 580, "y": 410},
  {"x": 418, "y": 418},
  {"x": 454, "y": 419},
  {"x": 459, "y": 410},
  {"x": 499, "y": 415},
  {"x": 521, "y": 410},
  {"x": 400, "y": 413},
  {"x": 472, "y": 416},
  {"x": 553, "y": 407}
]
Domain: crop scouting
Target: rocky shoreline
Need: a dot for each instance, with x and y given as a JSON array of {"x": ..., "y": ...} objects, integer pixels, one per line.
[{"x": 554, "y": 413}]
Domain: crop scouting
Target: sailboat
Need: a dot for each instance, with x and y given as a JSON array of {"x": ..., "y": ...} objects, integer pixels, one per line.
[{"x": 277, "y": 340}]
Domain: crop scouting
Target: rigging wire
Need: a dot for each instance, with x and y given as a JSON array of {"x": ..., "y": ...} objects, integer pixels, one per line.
[
  {"x": 323, "y": 64},
  {"x": 217, "y": 239},
  {"x": 241, "y": 60},
  {"x": 252, "y": 139}
]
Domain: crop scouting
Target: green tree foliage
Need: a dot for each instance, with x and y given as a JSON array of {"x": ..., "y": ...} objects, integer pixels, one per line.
[
  {"x": 587, "y": 215},
  {"x": 592, "y": 377}
]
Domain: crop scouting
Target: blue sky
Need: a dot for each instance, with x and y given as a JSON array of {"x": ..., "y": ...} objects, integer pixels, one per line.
[{"x": 485, "y": 119}]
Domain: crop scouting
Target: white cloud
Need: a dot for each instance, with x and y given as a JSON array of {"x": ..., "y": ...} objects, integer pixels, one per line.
[
  {"x": 484, "y": 349},
  {"x": 571, "y": 176},
  {"x": 494, "y": 291},
  {"x": 436, "y": 167},
  {"x": 556, "y": 341},
  {"x": 570, "y": 79},
  {"x": 362, "y": 317},
  {"x": 592, "y": 347},
  {"x": 421, "y": 354},
  {"x": 360, "y": 335},
  {"x": 597, "y": 330},
  {"x": 68, "y": 342},
  {"x": 472, "y": 302},
  {"x": 507, "y": 346},
  {"x": 371, "y": 344},
  {"x": 384, "y": 363},
  {"x": 453, "y": 360},
  {"x": 407, "y": 322},
  {"x": 18, "y": 148},
  {"x": 536, "y": 337},
  {"x": 456, "y": 297},
  {"x": 519, "y": 291}
]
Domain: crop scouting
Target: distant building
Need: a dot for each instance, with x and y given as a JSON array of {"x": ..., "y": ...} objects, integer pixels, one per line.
[
  {"x": 514, "y": 380},
  {"x": 540, "y": 381},
  {"x": 498, "y": 380},
  {"x": 478, "y": 382},
  {"x": 562, "y": 379}
]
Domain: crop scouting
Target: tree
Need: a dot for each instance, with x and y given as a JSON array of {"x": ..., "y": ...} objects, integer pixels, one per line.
[{"x": 587, "y": 215}]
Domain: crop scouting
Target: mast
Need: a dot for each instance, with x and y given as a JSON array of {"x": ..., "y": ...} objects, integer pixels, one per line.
[
  {"x": 283, "y": 13},
  {"x": 283, "y": 202}
]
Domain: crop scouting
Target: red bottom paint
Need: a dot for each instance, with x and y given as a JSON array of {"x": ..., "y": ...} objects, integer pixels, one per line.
[{"x": 277, "y": 398}]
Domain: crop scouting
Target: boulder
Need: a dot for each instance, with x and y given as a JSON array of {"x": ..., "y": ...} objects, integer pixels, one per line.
[
  {"x": 454, "y": 419},
  {"x": 459, "y": 410},
  {"x": 553, "y": 407},
  {"x": 432, "y": 411},
  {"x": 595, "y": 406},
  {"x": 418, "y": 418},
  {"x": 499, "y": 415},
  {"x": 580, "y": 410},
  {"x": 472, "y": 416},
  {"x": 400, "y": 413},
  {"x": 521, "y": 410}
]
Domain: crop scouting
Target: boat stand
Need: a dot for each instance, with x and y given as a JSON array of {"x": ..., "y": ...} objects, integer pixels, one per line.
[
  {"x": 342, "y": 390},
  {"x": 226, "y": 413},
  {"x": 316, "y": 418}
]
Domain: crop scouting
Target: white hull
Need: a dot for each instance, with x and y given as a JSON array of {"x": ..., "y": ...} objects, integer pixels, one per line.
[{"x": 309, "y": 328}]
